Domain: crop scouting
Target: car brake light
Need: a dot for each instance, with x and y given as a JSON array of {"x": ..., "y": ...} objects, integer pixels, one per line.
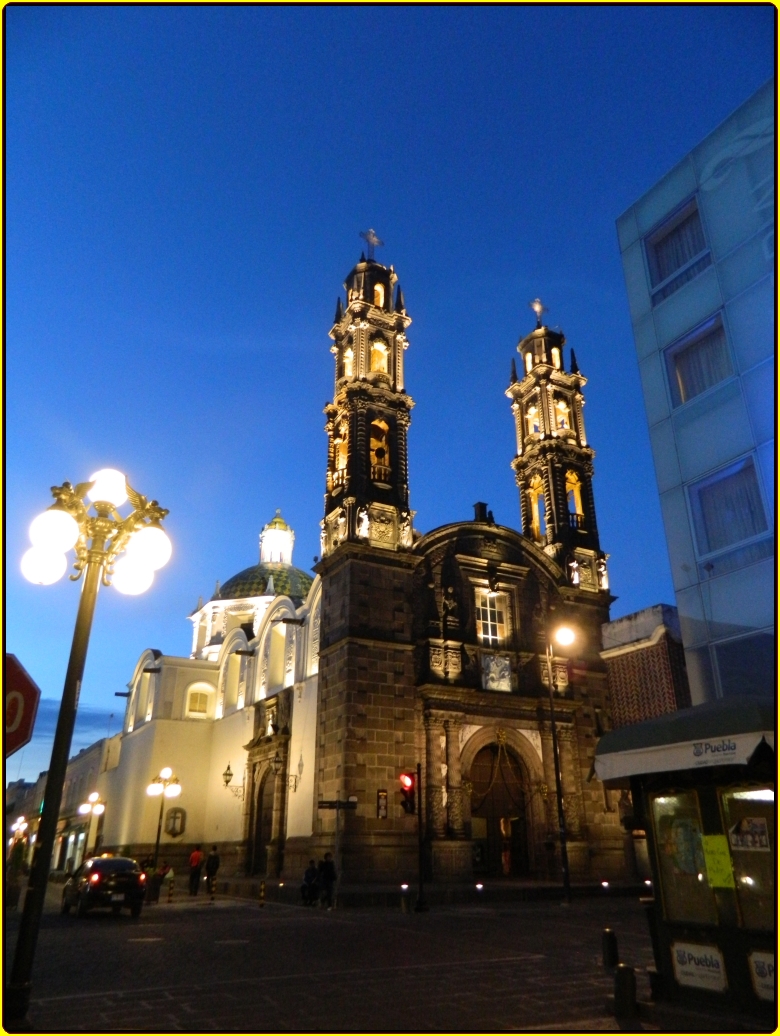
[
  {"x": 94, "y": 878},
  {"x": 142, "y": 877}
]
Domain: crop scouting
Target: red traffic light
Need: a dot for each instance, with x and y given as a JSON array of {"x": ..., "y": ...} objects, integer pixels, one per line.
[{"x": 408, "y": 784}]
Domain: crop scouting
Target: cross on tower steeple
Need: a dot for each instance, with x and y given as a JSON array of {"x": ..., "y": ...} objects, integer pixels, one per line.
[{"x": 371, "y": 240}]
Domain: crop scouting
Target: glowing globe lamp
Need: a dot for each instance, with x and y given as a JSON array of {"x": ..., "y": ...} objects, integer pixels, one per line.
[
  {"x": 110, "y": 487},
  {"x": 150, "y": 547},
  {"x": 55, "y": 531},
  {"x": 132, "y": 577},
  {"x": 43, "y": 567}
]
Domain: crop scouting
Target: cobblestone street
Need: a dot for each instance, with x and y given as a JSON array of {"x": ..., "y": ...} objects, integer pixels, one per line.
[{"x": 231, "y": 966}]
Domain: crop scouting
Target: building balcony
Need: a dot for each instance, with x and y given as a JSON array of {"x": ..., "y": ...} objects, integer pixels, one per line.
[
  {"x": 339, "y": 477},
  {"x": 576, "y": 521},
  {"x": 380, "y": 473}
]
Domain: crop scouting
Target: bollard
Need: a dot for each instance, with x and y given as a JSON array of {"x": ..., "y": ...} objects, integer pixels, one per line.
[
  {"x": 625, "y": 991},
  {"x": 609, "y": 949},
  {"x": 170, "y": 891},
  {"x": 262, "y": 893}
]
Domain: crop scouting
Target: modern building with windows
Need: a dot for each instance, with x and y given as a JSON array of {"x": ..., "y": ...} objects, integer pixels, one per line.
[{"x": 698, "y": 253}]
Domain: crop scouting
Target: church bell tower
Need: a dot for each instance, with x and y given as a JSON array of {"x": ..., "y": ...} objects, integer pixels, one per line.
[
  {"x": 367, "y": 492},
  {"x": 554, "y": 464}
]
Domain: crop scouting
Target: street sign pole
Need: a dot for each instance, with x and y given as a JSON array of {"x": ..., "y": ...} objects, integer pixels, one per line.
[{"x": 420, "y": 906}]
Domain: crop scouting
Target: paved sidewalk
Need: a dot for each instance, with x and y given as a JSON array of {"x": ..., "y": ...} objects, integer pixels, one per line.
[{"x": 231, "y": 966}]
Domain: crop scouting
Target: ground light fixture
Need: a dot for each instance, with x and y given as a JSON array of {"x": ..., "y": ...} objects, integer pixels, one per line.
[{"x": 110, "y": 549}]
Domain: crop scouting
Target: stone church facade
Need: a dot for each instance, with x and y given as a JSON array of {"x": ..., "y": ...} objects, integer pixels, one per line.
[
  {"x": 432, "y": 648},
  {"x": 404, "y": 649}
]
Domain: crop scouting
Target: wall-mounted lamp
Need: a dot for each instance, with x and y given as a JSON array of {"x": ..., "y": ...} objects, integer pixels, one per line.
[{"x": 234, "y": 789}]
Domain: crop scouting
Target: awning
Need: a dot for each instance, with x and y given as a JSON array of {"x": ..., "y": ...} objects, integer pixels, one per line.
[{"x": 720, "y": 733}]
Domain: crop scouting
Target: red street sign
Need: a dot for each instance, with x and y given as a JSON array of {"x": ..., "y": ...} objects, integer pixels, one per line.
[{"x": 21, "y": 704}]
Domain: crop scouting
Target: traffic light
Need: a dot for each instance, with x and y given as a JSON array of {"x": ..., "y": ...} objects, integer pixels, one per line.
[{"x": 408, "y": 785}]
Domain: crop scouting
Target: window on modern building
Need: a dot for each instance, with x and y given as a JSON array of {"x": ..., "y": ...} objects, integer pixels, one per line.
[
  {"x": 379, "y": 356},
  {"x": 676, "y": 252},
  {"x": 727, "y": 507},
  {"x": 491, "y": 618},
  {"x": 698, "y": 361},
  {"x": 379, "y": 295},
  {"x": 198, "y": 704},
  {"x": 747, "y": 665},
  {"x": 349, "y": 362}
]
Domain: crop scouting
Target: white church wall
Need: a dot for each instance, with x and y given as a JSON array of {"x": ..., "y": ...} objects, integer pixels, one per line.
[
  {"x": 131, "y": 815},
  {"x": 303, "y": 734},
  {"x": 224, "y": 818}
]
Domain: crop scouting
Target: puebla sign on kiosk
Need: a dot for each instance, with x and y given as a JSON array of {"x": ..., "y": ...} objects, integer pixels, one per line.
[{"x": 702, "y": 787}]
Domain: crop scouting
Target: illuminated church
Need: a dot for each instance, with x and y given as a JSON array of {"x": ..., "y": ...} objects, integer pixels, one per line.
[{"x": 405, "y": 648}]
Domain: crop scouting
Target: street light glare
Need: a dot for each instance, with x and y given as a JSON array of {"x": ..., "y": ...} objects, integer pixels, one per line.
[
  {"x": 131, "y": 576},
  {"x": 173, "y": 791},
  {"x": 43, "y": 567},
  {"x": 98, "y": 808},
  {"x": 166, "y": 773},
  {"x": 85, "y": 808},
  {"x": 564, "y": 636},
  {"x": 54, "y": 531},
  {"x": 93, "y": 797},
  {"x": 110, "y": 487},
  {"x": 155, "y": 788},
  {"x": 150, "y": 547}
]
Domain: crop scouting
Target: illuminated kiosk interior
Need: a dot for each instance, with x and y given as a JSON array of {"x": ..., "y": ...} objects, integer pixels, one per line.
[{"x": 702, "y": 782}]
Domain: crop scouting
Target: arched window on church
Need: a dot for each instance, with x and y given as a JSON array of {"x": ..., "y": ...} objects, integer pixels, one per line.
[
  {"x": 341, "y": 450},
  {"x": 199, "y": 701},
  {"x": 574, "y": 498},
  {"x": 532, "y": 420},
  {"x": 379, "y": 356},
  {"x": 536, "y": 506},
  {"x": 380, "y": 451},
  {"x": 562, "y": 414},
  {"x": 556, "y": 357},
  {"x": 529, "y": 361},
  {"x": 379, "y": 296},
  {"x": 349, "y": 362}
]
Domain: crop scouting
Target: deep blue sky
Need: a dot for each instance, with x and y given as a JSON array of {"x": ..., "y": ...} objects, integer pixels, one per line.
[{"x": 185, "y": 188}]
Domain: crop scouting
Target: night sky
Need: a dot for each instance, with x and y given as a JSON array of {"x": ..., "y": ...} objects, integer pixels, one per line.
[{"x": 185, "y": 188}]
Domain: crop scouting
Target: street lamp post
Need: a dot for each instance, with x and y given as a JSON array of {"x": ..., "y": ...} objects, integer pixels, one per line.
[
  {"x": 167, "y": 787},
  {"x": 98, "y": 539},
  {"x": 93, "y": 807},
  {"x": 564, "y": 636}
]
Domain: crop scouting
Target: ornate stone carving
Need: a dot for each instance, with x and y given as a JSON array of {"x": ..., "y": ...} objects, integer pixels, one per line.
[
  {"x": 496, "y": 672},
  {"x": 362, "y": 523}
]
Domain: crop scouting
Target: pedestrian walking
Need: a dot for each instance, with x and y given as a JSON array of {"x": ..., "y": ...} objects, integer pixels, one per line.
[
  {"x": 309, "y": 888},
  {"x": 196, "y": 866},
  {"x": 212, "y": 866},
  {"x": 326, "y": 879}
]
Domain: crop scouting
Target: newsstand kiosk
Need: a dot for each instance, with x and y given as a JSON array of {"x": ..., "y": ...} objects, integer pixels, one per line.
[{"x": 703, "y": 786}]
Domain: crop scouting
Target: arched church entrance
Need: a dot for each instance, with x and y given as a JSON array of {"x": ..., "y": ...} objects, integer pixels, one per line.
[
  {"x": 499, "y": 813},
  {"x": 263, "y": 825}
]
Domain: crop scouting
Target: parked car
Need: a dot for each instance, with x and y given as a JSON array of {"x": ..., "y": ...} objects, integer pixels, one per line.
[{"x": 105, "y": 881}]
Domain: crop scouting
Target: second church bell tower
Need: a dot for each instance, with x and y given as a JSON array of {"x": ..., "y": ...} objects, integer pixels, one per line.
[{"x": 367, "y": 493}]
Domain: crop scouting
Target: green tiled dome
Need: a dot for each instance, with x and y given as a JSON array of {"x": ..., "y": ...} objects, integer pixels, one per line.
[{"x": 253, "y": 582}]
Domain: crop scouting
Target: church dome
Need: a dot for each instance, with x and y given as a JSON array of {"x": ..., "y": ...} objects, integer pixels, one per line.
[
  {"x": 275, "y": 575},
  {"x": 266, "y": 578}
]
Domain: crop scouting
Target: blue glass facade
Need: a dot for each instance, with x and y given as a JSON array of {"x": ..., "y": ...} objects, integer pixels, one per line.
[{"x": 698, "y": 252}]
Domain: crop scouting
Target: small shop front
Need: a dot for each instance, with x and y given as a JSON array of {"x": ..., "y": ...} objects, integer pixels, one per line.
[{"x": 703, "y": 788}]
